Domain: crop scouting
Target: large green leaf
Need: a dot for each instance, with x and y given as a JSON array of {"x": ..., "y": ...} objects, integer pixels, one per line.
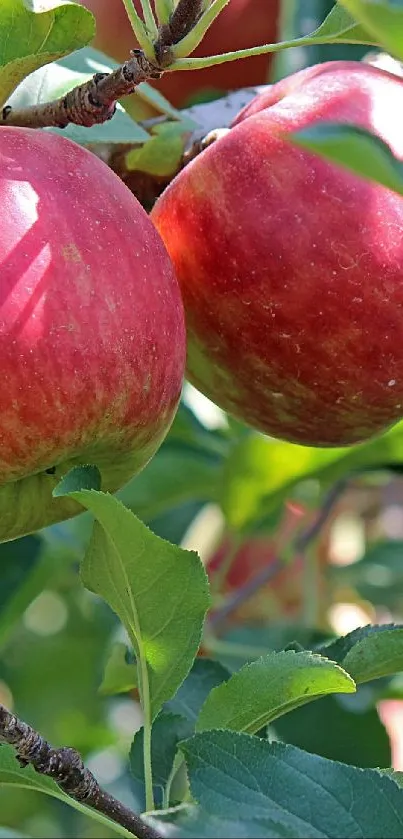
[
  {"x": 345, "y": 728},
  {"x": 31, "y": 37},
  {"x": 159, "y": 591},
  {"x": 340, "y": 25},
  {"x": 269, "y": 687},
  {"x": 356, "y": 149},
  {"x": 13, "y": 775},
  {"x": 383, "y": 19},
  {"x": 283, "y": 791},
  {"x": 120, "y": 674},
  {"x": 205, "y": 675}
]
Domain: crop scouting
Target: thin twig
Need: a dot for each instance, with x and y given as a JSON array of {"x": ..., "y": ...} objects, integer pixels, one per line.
[
  {"x": 265, "y": 575},
  {"x": 66, "y": 767},
  {"x": 270, "y": 571},
  {"x": 90, "y": 103},
  {"x": 307, "y": 536}
]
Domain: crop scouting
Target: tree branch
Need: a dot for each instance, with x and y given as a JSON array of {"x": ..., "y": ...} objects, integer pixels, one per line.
[
  {"x": 90, "y": 103},
  {"x": 67, "y": 769}
]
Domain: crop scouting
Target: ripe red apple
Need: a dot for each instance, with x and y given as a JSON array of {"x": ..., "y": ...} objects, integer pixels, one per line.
[
  {"x": 291, "y": 269},
  {"x": 242, "y": 24},
  {"x": 92, "y": 342}
]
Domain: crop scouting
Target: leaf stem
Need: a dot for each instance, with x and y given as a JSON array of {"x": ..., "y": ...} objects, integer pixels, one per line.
[
  {"x": 189, "y": 43},
  {"x": 163, "y": 10},
  {"x": 145, "y": 699},
  {"x": 212, "y": 60},
  {"x": 149, "y": 19},
  {"x": 140, "y": 30}
]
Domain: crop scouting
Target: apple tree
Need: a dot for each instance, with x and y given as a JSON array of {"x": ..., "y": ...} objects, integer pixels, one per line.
[{"x": 201, "y": 418}]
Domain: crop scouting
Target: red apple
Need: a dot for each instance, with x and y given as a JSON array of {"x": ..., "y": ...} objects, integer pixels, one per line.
[
  {"x": 281, "y": 595},
  {"x": 92, "y": 341},
  {"x": 233, "y": 566},
  {"x": 291, "y": 269},
  {"x": 242, "y": 24}
]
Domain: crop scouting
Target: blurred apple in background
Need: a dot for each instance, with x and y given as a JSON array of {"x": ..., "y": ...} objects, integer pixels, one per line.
[
  {"x": 232, "y": 566},
  {"x": 242, "y": 24}
]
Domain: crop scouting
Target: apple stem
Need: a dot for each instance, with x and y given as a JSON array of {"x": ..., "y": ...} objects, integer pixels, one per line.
[
  {"x": 192, "y": 39},
  {"x": 66, "y": 768},
  {"x": 142, "y": 32}
]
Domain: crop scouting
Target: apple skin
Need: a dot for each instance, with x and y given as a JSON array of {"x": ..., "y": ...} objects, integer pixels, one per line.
[
  {"x": 92, "y": 336},
  {"x": 242, "y": 24},
  {"x": 291, "y": 269},
  {"x": 289, "y": 84}
]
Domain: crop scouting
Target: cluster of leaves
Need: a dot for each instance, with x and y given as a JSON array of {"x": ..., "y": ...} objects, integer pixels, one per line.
[{"x": 198, "y": 712}]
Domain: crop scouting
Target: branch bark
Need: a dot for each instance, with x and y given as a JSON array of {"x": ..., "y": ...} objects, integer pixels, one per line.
[
  {"x": 66, "y": 767},
  {"x": 90, "y": 103}
]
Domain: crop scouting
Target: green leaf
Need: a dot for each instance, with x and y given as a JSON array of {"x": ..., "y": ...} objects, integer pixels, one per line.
[
  {"x": 261, "y": 472},
  {"x": 288, "y": 792},
  {"x": 55, "y": 80},
  {"x": 340, "y": 25},
  {"x": 378, "y": 655},
  {"x": 120, "y": 675},
  {"x": 345, "y": 728},
  {"x": 27, "y": 567},
  {"x": 13, "y": 775},
  {"x": 159, "y": 592},
  {"x": 167, "y": 731},
  {"x": 186, "y": 468},
  {"x": 176, "y": 474},
  {"x": 270, "y": 687},
  {"x": 356, "y": 149},
  {"x": 29, "y": 40},
  {"x": 188, "y": 821},
  {"x": 162, "y": 154},
  {"x": 397, "y": 777},
  {"x": 79, "y": 478},
  {"x": 203, "y": 677},
  {"x": 382, "y": 19},
  {"x": 369, "y": 652},
  {"x": 17, "y": 560}
]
